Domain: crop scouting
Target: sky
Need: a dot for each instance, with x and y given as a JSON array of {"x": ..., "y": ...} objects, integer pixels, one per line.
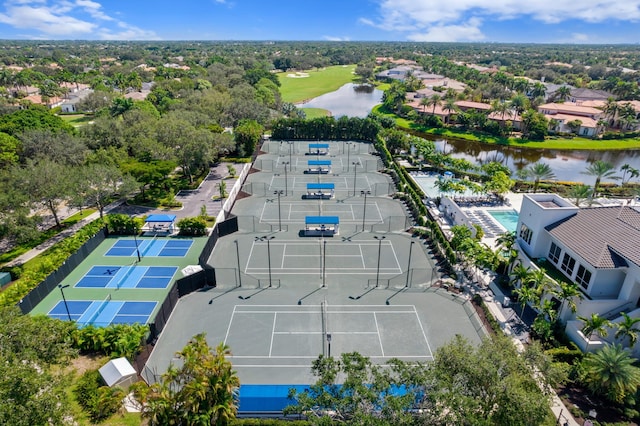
[{"x": 507, "y": 21}]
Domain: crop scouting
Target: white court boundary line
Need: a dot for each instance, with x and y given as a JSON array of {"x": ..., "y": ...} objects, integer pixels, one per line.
[
  {"x": 255, "y": 309},
  {"x": 313, "y": 270}
]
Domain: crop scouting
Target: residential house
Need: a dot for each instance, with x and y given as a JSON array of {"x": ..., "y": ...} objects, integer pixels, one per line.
[
  {"x": 562, "y": 114},
  {"x": 583, "y": 94},
  {"x": 400, "y": 73},
  {"x": 597, "y": 248}
]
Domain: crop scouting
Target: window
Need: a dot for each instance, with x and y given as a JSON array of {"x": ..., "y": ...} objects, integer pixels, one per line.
[
  {"x": 554, "y": 253},
  {"x": 583, "y": 277},
  {"x": 568, "y": 263},
  {"x": 525, "y": 233}
]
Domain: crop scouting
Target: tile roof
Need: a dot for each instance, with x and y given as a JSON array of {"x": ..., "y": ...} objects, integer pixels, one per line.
[
  {"x": 605, "y": 237},
  {"x": 586, "y": 122},
  {"x": 569, "y": 107},
  {"x": 474, "y": 105}
]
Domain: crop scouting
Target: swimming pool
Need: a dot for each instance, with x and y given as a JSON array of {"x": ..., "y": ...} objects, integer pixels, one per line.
[{"x": 507, "y": 218}]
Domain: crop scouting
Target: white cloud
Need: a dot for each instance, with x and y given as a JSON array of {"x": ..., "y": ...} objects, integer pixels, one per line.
[
  {"x": 469, "y": 31},
  {"x": 435, "y": 17},
  {"x": 68, "y": 19},
  {"x": 579, "y": 38},
  {"x": 334, "y": 38}
]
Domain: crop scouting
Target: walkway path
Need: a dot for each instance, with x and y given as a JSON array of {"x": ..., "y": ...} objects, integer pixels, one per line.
[{"x": 191, "y": 201}]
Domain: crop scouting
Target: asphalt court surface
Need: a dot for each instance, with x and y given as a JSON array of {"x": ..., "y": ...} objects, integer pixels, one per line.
[
  {"x": 292, "y": 332},
  {"x": 305, "y": 257},
  {"x": 296, "y": 211},
  {"x": 376, "y": 279}
]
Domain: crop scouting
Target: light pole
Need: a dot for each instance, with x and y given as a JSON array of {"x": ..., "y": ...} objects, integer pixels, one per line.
[
  {"x": 379, "y": 252},
  {"x": 348, "y": 144},
  {"x": 279, "y": 193},
  {"x": 290, "y": 148},
  {"x": 355, "y": 173},
  {"x": 286, "y": 184},
  {"x": 135, "y": 238},
  {"x": 268, "y": 240},
  {"x": 238, "y": 259},
  {"x": 329, "y": 344},
  {"x": 324, "y": 262},
  {"x": 364, "y": 209},
  {"x": 64, "y": 299},
  {"x": 409, "y": 264}
]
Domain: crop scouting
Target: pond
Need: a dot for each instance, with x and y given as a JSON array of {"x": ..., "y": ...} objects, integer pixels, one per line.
[
  {"x": 567, "y": 165},
  {"x": 352, "y": 100}
]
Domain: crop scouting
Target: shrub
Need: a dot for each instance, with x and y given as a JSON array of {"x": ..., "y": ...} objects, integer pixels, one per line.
[
  {"x": 34, "y": 272},
  {"x": 192, "y": 226},
  {"x": 98, "y": 400}
]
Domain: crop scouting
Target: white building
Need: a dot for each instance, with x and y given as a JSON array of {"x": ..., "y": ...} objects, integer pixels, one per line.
[{"x": 598, "y": 248}]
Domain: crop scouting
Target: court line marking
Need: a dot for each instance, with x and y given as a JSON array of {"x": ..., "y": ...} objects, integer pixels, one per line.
[
  {"x": 226, "y": 336},
  {"x": 375, "y": 319},
  {"x": 395, "y": 256},
  {"x": 424, "y": 334},
  {"x": 246, "y": 266},
  {"x": 273, "y": 328},
  {"x": 362, "y": 257}
]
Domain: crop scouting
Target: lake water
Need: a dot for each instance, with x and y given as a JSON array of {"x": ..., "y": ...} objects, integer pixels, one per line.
[
  {"x": 352, "y": 100},
  {"x": 567, "y": 165},
  {"x": 357, "y": 101}
]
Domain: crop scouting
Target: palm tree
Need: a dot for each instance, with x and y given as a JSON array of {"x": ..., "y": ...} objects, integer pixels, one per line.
[
  {"x": 519, "y": 274},
  {"x": 578, "y": 193},
  {"x": 611, "y": 108},
  {"x": 568, "y": 293},
  {"x": 610, "y": 372},
  {"x": 525, "y": 295},
  {"x": 600, "y": 169},
  {"x": 627, "y": 330},
  {"x": 500, "y": 107},
  {"x": 538, "y": 90},
  {"x": 519, "y": 103},
  {"x": 563, "y": 93},
  {"x": 424, "y": 103},
  {"x": 632, "y": 171},
  {"x": 594, "y": 325},
  {"x": 539, "y": 171},
  {"x": 449, "y": 107},
  {"x": 434, "y": 101}
]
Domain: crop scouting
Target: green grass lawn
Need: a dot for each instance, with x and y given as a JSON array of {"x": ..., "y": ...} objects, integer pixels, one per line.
[
  {"x": 576, "y": 143},
  {"x": 315, "y": 112},
  {"x": 76, "y": 120},
  {"x": 318, "y": 83}
]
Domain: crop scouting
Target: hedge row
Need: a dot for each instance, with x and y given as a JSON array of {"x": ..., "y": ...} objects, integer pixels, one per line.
[
  {"x": 28, "y": 276},
  {"x": 415, "y": 199}
]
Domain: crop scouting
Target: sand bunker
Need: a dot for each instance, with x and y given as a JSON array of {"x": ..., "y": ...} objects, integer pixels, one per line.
[{"x": 298, "y": 75}]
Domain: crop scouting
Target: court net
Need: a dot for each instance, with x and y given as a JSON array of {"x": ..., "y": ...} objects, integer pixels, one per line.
[
  {"x": 126, "y": 275},
  {"x": 149, "y": 245},
  {"x": 98, "y": 311}
]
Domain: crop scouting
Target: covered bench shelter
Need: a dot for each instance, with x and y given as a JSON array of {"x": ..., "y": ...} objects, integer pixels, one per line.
[
  {"x": 318, "y": 149},
  {"x": 321, "y": 226},
  {"x": 315, "y": 191},
  {"x": 318, "y": 167},
  {"x": 160, "y": 223}
]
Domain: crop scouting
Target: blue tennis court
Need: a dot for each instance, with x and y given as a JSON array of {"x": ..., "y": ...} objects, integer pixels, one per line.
[
  {"x": 150, "y": 247},
  {"x": 103, "y": 312},
  {"x": 152, "y": 277}
]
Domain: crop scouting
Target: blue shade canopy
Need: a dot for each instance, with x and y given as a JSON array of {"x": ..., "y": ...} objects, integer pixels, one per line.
[{"x": 321, "y": 220}]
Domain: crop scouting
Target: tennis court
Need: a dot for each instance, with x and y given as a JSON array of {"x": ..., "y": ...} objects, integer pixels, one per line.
[
  {"x": 305, "y": 258},
  {"x": 150, "y": 247},
  {"x": 117, "y": 277},
  {"x": 343, "y": 184},
  {"x": 296, "y": 211},
  {"x": 292, "y": 331},
  {"x": 103, "y": 312}
]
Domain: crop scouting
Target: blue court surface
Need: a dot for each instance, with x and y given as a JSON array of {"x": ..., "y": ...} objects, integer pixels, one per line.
[
  {"x": 153, "y": 277},
  {"x": 103, "y": 312},
  {"x": 150, "y": 247}
]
